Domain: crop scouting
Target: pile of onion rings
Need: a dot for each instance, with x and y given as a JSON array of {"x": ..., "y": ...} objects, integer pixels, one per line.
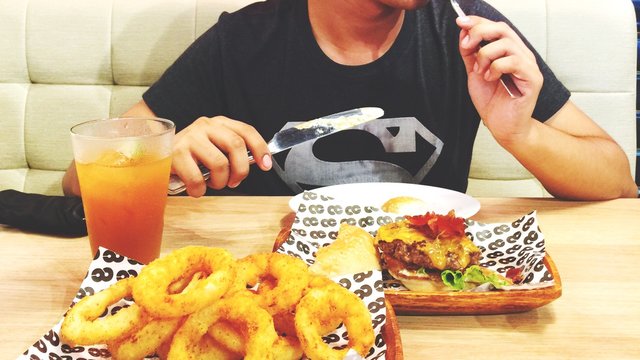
[{"x": 200, "y": 302}]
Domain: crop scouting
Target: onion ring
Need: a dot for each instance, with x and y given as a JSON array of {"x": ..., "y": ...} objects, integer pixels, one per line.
[
  {"x": 152, "y": 287},
  {"x": 320, "y": 281},
  {"x": 285, "y": 347},
  {"x": 208, "y": 348},
  {"x": 255, "y": 324},
  {"x": 144, "y": 341},
  {"x": 284, "y": 322},
  {"x": 163, "y": 350},
  {"x": 82, "y": 325},
  {"x": 185, "y": 283},
  {"x": 320, "y": 309},
  {"x": 228, "y": 336},
  {"x": 285, "y": 279}
]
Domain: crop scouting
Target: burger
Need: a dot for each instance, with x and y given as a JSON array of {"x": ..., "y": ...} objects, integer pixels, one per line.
[{"x": 432, "y": 252}]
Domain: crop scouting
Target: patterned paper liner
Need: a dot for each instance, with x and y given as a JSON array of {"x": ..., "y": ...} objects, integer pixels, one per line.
[
  {"x": 108, "y": 267},
  {"x": 105, "y": 270},
  {"x": 518, "y": 244}
]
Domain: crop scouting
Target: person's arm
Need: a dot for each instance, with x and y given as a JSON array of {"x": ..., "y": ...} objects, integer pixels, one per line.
[
  {"x": 569, "y": 153},
  {"x": 70, "y": 185},
  {"x": 574, "y": 158}
]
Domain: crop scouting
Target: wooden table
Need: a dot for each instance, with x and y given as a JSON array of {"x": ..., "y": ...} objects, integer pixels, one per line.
[{"x": 596, "y": 246}]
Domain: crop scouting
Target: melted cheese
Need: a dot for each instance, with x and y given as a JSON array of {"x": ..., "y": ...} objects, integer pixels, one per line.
[{"x": 436, "y": 249}]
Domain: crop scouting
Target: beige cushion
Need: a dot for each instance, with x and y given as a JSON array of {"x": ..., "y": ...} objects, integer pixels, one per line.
[{"x": 66, "y": 61}]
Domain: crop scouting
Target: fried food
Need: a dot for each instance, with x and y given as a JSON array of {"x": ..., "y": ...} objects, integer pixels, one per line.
[
  {"x": 287, "y": 348},
  {"x": 353, "y": 251},
  {"x": 230, "y": 338},
  {"x": 84, "y": 326},
  {"x": 199, "y": 302},
  {"x": 282, "y": 280},
  {"x": 320, "y": 309},
  {"x": 144, "y": 341},
  {"x": 224, "y": 333},
  {"x": 151, "y": 290},
  {"x": 185, "y": 283},
  {"x": 208, "y": 348},
  {"x": 255, "y": 324},
  {"x": 284, "y": 322}
]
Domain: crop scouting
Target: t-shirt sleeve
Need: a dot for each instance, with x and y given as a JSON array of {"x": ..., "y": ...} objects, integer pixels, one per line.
[
  {"x": 553, "y": 94},
  {"x": 190, "y": 87}
]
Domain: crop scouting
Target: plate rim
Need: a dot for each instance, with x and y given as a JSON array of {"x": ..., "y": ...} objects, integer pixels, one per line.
[{"x": 295, "y": 201}]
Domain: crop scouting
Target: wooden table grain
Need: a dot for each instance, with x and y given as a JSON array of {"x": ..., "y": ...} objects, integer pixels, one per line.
[{"x": 596, "y": 246}]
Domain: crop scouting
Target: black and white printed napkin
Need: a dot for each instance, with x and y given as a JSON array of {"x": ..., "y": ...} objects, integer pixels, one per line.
[{"x": 517, "y": 244}]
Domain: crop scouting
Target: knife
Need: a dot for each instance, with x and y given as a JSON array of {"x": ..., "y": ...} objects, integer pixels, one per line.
[
  {"x": 505, "y": 80},
  {"x": 298, "y": 134}
]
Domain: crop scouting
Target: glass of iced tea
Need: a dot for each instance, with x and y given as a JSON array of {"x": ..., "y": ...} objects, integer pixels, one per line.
[{"x": 123, "y": 167}]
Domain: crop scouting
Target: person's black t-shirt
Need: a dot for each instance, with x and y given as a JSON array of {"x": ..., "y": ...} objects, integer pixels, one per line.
[{"x": 262, "y": 65}]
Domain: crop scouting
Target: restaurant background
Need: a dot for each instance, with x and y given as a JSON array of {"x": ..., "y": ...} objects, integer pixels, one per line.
[
  {"x": 595, "y": 245},
  {"x": 113, "y": 50}
]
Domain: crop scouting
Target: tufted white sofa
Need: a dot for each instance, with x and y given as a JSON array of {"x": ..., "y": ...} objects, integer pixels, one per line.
[{"x": 66, "y": 61}]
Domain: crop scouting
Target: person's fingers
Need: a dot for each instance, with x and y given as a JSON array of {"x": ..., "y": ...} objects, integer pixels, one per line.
[
  {"x": 214, "y": 159},
  {"x": 468, "y": 55},
  {"x": 187, "y": 170},
  {"x": 220, "y": 144},
  {"x": 492, "y": 49},
  {"x": 491, "y": 52},
  {"x": 192, "y": 147},
  {"x": 234, "y": 138},
  {"x": 481, "y": 31},
  {"x": 253, "y": 142}
]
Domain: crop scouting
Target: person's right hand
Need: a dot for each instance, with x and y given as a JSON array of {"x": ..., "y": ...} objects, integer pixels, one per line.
[
  {"x": 503, "y": 53},
  {"x": 221, "y": 145}
]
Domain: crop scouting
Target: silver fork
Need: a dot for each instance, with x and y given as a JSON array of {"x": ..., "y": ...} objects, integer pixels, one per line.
[{"x": 505, "y": 79}]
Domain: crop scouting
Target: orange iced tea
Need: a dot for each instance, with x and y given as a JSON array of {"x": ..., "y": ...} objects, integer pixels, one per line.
[
  {"x": 123, "y": 168},
  {"x": 124, "y": 205}
]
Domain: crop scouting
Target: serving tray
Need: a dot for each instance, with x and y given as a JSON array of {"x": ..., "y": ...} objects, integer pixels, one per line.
[
  {"x": 476, "y": 303},
  {"x": 391, "y": 334}
]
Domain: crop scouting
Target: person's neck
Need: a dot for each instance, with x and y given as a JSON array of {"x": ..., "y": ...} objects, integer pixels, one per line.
[{"x": 354, "y": 32}]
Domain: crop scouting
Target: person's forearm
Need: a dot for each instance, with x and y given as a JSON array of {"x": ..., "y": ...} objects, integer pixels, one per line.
[
  {"x": 571, "y": 167},
  {"x": 70, "y": 184}
]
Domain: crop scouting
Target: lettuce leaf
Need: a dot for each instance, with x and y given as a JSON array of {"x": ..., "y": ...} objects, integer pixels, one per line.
[
  {"x": 473, "y": 275},
  {"x": 453, "y": 279}
]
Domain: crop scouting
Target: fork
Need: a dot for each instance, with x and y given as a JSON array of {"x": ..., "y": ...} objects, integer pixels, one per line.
[{"x": 505, "y": 79}]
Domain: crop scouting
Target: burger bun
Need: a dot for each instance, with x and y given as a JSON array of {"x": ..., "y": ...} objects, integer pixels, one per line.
[{"x": 419, "y": 282}]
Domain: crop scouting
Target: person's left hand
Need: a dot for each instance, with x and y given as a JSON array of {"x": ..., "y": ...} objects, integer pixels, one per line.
[{"x": 490, "y": 49}]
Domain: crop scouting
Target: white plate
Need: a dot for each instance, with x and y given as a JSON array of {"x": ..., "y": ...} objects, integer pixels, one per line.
[{"x": 438, "y": 200}]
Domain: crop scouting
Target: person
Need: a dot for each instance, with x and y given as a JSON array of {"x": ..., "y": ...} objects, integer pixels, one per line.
[{"x": 278, "y": 62}]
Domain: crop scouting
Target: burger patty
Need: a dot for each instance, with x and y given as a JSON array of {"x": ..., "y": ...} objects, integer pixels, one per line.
[{"x": 416, "y": 255}]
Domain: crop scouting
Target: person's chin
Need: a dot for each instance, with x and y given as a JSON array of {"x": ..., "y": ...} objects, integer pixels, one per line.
[{"x": 405, "y": 4}]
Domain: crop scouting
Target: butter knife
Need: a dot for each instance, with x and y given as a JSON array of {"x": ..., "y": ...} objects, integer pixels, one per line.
[
  {"x": 306, "y": 131},
  {"x": 505, "y": 79}
]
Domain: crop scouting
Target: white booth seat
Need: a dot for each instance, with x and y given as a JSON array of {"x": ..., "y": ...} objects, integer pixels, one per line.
[{"x": 67, "y": 61}]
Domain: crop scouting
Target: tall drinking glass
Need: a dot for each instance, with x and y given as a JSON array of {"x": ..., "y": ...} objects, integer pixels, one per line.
[{"x": 123, "y": 166}]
